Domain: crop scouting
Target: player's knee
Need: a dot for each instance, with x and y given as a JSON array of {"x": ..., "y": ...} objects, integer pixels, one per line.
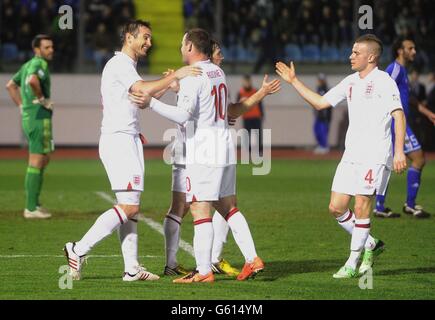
[
  {"x": 130, "y": 210},
  {"x": 179, "y": 208},
  {"x": 334, "y": 210},
  {"x": 419, "y": 162}
]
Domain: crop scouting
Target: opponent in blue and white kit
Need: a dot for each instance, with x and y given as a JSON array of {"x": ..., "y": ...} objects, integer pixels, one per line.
[{"x": 404, "y": 51}]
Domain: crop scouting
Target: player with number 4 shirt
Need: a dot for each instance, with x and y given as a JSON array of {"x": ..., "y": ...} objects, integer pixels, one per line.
[{"x": 373, "y": 100}]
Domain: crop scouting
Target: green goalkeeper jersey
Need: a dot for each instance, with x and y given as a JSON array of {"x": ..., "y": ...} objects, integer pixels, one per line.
[{"x": 39, "y": 67}]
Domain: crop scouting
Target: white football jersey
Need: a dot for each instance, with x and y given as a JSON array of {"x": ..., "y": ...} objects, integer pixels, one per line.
[
  {"x": 370, "y": 103},
  {"x": 205, "y": 97},
  {"x": 119, "y": 113}
]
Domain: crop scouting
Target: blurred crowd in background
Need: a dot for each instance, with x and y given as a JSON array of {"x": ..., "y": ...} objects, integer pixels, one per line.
[
  {"x": 315, "y": 31},
  {"x": 102, "y": 20},
  {"x": 255, "y": 32}
]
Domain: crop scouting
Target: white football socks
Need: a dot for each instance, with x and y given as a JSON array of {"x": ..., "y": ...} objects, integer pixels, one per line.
[
  {"x": 220, "y": 229},
  {"x": 103, "y": 226},
  {"x": 359, "y": 238},
  {"x": 127, "y": 233},
  {"x": 347, "y": 222},
  {"x": 242, "y": 234},
  {"x": 171, "y": 227},
  {"x": 202, "y": 244}
]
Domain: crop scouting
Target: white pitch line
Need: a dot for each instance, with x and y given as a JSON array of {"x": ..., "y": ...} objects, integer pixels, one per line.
[
  {"x": 151, "y": 223},
  {"x": 13, "y": 256}
]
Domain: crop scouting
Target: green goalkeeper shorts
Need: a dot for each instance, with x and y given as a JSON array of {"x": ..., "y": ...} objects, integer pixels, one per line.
[{"x": 39, "y": 135}]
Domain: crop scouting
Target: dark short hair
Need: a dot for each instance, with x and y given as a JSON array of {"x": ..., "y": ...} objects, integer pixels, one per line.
[
  {"x": 201, "y": 40},
  {"x": 132, "y": 27},
  {"x": 371, "y": 38},
  {"x": 247, "y": 77},
  {"x": 398, "y": 44},
  {"x": 214, "y": 45},
  {"x": 36, "y": 42}
]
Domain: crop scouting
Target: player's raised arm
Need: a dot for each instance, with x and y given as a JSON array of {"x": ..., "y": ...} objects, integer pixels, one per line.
[
  {"x": 156, "y": 86},
  {"x": 14, "y": 92},
  {"x": 288, "y": 73},
  {"x": 239, "y": 108},
  {"x": 399, "y": 161}
]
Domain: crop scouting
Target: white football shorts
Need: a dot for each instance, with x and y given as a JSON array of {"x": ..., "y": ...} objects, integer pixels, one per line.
[
  {"x": 179, "y": 178},
  {"x": 204, "y": 183},
  {"x": 360, "y": 179},
  {"x": 122, "y": 157}
]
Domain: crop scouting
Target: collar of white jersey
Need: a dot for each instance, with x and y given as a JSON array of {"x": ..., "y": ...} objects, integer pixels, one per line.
[
  {"x": 201, "y": 62},
  {"x": 370, "y": 75},
  {"x": 126, "y": 56}
]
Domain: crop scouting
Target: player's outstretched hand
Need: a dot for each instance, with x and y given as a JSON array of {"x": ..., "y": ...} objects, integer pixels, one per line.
[
  {"x": 399, "y": 162},
  {"x": 140, "y": 99},
  {"x": 187, "y": 71},
  {"x": 287, "y": 72},
  {"x": 270, "y": 87}
]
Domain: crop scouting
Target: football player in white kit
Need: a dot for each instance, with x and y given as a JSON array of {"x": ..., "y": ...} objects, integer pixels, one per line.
[
  {"x": 121, "y": 150},
  {"x": 179, "y": 207},
  {"x": 210, "y": 156},
  {"x": 373, "y": 100}
]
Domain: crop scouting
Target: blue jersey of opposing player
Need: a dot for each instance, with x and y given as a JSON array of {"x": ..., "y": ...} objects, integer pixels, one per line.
[{"x": 400, "y": 75}]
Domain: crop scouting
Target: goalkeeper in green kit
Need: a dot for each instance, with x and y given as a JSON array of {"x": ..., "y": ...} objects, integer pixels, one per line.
[{"x": 30, "y": 90}]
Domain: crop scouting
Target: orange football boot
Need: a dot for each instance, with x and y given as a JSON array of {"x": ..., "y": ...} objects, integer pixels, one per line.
[
  {"x": 250, "y": 270},
  {"x": 195, "y": 276}
]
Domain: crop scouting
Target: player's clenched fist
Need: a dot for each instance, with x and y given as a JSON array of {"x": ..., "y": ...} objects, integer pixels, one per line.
[
  {"x": 187, "y": 71},
  {"x": 288, "y": 73},
  {"x": 399, "y": 162}
]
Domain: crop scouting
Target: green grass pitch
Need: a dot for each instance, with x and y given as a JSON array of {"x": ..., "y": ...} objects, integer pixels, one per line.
[{"x": 300, "y": 242}]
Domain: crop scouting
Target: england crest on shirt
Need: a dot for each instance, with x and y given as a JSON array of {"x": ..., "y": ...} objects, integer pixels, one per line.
[{"x": 369, "y": 90}]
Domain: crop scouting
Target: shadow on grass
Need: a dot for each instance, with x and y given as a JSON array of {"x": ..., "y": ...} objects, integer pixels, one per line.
[
  {"x": 279, "y": 269},
  {"x": 404, "y": 271}
]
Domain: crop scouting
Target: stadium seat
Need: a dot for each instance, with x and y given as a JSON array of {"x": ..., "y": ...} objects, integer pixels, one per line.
[
  {"x": 9, "y": 52},
  {"x": 386, "y": 54},
  {"x": 230, "y": 53},
  {"x": 329, "y": 54},
  {"x": 293, "y": 52},
  {"x": 345, "y": 52},
  {"x": 311, "y": 53}
]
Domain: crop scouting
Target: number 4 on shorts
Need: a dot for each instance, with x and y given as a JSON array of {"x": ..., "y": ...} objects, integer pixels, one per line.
[{"x": 369, "y": 176}]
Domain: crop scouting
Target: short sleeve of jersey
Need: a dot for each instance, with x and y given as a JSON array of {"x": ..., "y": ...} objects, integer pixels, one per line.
[
  {"x": 395, "y": 72},
  {"x": 17, "y": 77},
  {"x": 337, "y": 94},
  {"x": 391, "y": 96},
  {"x": 188, "y": 94},
  {"x": 39, "y": 68},
  {"x": 127, "y": 75}
]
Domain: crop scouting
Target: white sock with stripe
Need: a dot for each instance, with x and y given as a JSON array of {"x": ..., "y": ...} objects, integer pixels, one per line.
[
  {"x": 202, "y": 244},
  {"x": 127, "y": 234},
  {"x": 347, "y": 222},
  {"x": 103, "y": 226},
  {"x": 242, "y": 234},
  {"x": 359, "y": 238},
  {"x": 171, "y": 227},
  {"x": 220, "y": 229}
]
